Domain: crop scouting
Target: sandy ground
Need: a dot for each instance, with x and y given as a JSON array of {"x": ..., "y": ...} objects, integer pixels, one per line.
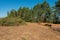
[{"x": 31, "y": 31}]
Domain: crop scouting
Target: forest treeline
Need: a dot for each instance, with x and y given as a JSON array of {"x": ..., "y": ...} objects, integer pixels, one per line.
[{"x": 41, "y": 12}]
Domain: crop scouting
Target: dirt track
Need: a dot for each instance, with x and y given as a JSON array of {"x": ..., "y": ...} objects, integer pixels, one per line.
[{"x": 31, "y": 31}]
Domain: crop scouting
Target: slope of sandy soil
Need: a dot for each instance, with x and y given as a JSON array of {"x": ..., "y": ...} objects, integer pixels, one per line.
[{"x": 31, "y": 31}]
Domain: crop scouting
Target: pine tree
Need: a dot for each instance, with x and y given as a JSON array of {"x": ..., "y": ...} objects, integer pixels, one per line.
[
  {"x": 57, "y": 12},
  {"x": 46, "y": 11}
]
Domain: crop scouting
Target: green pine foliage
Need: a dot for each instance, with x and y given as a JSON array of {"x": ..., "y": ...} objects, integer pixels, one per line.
[{"x": 39, "y": 13}]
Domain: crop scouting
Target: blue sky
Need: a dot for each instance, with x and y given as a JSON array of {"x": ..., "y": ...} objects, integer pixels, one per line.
[{"x": 7, "y": 5}]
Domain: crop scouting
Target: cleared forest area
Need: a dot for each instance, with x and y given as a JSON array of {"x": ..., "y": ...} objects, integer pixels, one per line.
[{"x": 30, "y": 31}]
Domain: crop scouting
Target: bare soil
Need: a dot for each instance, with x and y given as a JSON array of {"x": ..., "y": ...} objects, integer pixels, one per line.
[{"x": 31, "y": 31}]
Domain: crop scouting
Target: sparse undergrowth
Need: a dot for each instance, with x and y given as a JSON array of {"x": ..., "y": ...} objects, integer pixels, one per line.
[
  {"x": 56, "y": 29},
  {"x": 23, "y": 38}
]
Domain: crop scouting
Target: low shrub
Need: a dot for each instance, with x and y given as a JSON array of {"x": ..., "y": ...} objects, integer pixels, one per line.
[
  {"x": 11, "y": 21},
  {"x": 49, "y": 25}
]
